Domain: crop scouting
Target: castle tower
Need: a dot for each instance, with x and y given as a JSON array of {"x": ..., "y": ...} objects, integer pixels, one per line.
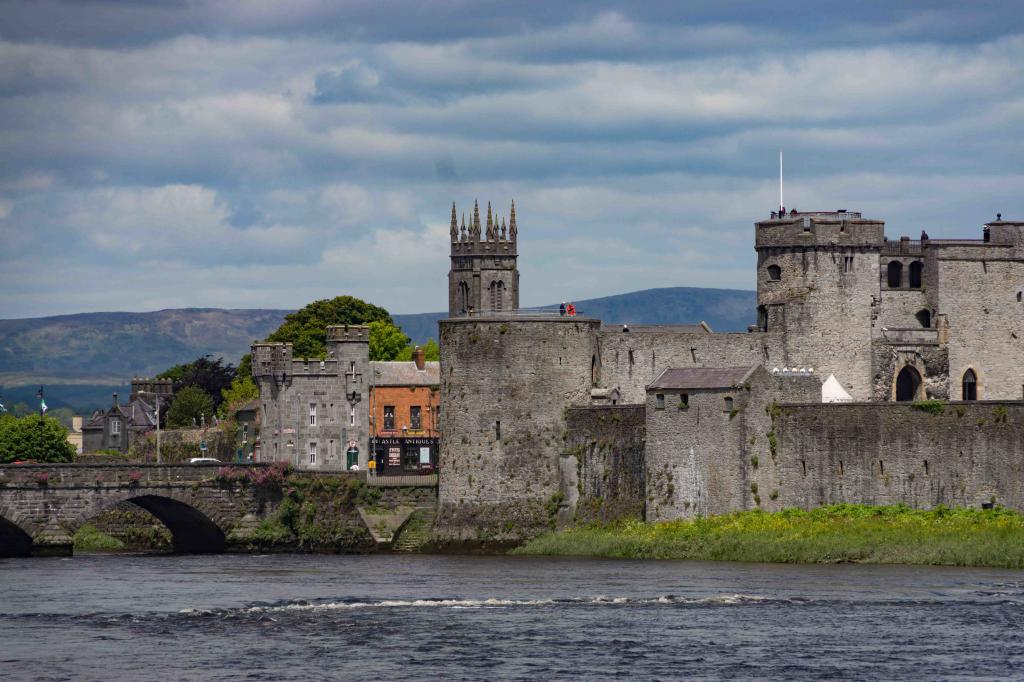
[
  {"x": 483, "y": 278},
  {"x": 818, "y": 289}
]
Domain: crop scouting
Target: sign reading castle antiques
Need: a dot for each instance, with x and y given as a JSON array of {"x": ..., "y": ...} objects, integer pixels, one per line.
[{"x": 398, "y": 456}]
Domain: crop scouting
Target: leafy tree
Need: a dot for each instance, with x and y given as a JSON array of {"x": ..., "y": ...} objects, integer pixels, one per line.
[
  {"x": 189, "y": 404},
  {"x": 306, "y": 329},
  {"x": 242, "y": 390},
  {"x": 386, "y": 340},
  {"x": 431, "y": 351},
  {"x": 42, "y": 439},
  {"x": 210, "y": 376}
]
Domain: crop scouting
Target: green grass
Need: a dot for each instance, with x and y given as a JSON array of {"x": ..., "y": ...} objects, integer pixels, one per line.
[
  {"x": 90, "y": 539},
  {"x": 834, "y": 534}
]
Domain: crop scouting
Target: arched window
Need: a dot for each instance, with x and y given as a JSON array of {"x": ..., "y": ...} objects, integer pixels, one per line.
[
  {"x": 915, "y": 274},
  {"x": 774, "y": 273},
  {"x": 462, "y": 300},
  {"x": 894, "y": 274},
  {"x": 970, "y": 385},
  {"x": 497, "y": 291},
  {"x": 908, "y": 383},
  {"x": 925, "y": 318}
]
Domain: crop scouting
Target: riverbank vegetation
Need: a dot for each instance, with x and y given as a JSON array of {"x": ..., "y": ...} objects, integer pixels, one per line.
[{"x": 833, "y": 534}]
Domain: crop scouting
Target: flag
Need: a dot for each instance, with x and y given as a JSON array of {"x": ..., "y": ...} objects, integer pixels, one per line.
[{"x": 42, "y": 405}]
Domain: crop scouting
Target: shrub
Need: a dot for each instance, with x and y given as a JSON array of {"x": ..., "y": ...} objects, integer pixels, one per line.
[{"x": 930, "y": 406}]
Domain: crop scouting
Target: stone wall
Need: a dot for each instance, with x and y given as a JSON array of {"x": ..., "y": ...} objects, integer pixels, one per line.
[
  {"x": 505, "y": 384},
  {"x": 631, "y": 360},
  {"x": 709, "y": 456},
  {"x": 177, "y": 446},
  {"x": 773, "y": 455},
  {"x": 602, "y": 468},
  {"x": 977, "y": 292}
]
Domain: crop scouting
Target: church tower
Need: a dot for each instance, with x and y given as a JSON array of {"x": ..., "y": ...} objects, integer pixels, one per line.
[{"x": 483, "y": 278}]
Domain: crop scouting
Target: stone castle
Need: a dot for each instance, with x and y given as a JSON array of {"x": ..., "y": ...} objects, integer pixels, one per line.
[{"x": 546, "y": 418}]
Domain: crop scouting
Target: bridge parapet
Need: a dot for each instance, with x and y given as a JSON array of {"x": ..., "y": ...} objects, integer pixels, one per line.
[{"x": 89, "y": 475}]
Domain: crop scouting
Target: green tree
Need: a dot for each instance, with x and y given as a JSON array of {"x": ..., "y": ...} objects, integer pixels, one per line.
[
  {"x": 431, "y": 351},
  {"x": 212, "y": 376},
  {"x": 306, "y": 329},
  {"x": 242, "y": 390},
  {"x": 386, "y": 341},
  {"x": 42, "y": 439},
  {"x": 189, "y": 404}
]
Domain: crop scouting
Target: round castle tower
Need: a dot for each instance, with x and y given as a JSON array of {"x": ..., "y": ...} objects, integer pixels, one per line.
[{"x": 506, "y": 378}]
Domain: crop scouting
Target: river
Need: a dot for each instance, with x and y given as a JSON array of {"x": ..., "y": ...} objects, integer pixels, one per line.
[{"x": 409, "y": 617}]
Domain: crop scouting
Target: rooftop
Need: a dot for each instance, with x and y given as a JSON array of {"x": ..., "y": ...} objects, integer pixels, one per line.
[
  {"x": 395, "y": 373},
  {"x": 683, "y": 378}
]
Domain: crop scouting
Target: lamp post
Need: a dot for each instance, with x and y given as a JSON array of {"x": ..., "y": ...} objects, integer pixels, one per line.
[{"x": 157, "y": 396}]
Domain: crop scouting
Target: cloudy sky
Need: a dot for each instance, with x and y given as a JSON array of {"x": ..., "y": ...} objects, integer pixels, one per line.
[{"x": 263, "y": 154}]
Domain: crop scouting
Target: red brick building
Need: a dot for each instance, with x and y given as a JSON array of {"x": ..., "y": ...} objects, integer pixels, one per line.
[{"x": 404, "y": 403}]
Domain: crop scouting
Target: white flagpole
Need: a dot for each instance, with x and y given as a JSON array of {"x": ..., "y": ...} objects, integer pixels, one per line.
[{"x": 782, "y": 203}]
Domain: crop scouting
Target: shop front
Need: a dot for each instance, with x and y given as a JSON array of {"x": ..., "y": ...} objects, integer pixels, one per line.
[{"x": 404, "y": 456}]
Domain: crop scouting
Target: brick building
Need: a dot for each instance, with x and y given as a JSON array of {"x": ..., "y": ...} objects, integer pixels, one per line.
[{"x": 404, "y": 402}]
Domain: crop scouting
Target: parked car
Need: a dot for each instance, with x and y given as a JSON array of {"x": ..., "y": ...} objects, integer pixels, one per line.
[{"x": 204, "y": 460}]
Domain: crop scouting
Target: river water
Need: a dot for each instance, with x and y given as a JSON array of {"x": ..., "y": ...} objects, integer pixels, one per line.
[{"x": 386, "y": 617}]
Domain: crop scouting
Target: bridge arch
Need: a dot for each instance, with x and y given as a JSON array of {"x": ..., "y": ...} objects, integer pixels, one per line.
[
  {"x": 14, "y": 540},
  {"x": 195, "y": 528}
]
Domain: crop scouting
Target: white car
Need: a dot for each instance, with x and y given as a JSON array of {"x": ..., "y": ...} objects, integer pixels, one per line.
[{"x": 204, "y": 460}]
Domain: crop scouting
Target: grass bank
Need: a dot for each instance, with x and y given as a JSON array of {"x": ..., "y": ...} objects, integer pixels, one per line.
[
  {"x": 833, "y": 534},
  {"x": 91, "y": 539}
]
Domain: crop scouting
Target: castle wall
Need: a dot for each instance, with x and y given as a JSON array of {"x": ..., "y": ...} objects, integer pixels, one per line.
[
  {"x": 707, "y": 459},
  {"x": 895, "y": 453},
  {"x": 775, "y": 455},
  {"x": 977, "y": 291},
  {"x": 632, "y": 360},
  {"x": 602, "y": 467},
  {"x": 505, "y": 385}
]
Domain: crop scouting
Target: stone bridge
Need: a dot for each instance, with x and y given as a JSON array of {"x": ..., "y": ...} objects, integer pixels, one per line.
[{"x": 43, "y": 505}]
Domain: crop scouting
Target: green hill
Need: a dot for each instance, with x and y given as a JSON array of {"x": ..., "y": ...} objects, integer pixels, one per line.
[{"x": 82, "y": 359}]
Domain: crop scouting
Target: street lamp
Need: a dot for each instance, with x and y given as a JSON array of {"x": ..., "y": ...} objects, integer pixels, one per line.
[{"x": 157, "y": 395}]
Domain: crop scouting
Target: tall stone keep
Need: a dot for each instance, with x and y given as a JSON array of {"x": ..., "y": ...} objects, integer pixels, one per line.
[
  {"x": 818, "y": 286},
  {"x": 483, "y": 278}
]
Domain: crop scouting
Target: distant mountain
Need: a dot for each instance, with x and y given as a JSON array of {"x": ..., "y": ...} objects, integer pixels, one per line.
[{"x": 83, "y": 358}]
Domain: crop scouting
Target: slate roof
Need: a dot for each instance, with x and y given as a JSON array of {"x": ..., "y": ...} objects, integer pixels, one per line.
[
  {"x": 405, "y": 374},
  {"x": 136, "y": 414},
  {"x": 682, "y": 378}
]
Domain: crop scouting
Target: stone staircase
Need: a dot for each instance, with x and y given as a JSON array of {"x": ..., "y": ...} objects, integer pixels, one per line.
[{"x": 415, "y": 534}]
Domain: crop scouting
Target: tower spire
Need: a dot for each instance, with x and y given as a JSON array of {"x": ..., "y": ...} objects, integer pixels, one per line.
[
  {"x": 474, "y": 229},
  {"x": 490, "y": 223},
  {"x": 512, "y": 230},
  {"x": 455, "y": 225}
]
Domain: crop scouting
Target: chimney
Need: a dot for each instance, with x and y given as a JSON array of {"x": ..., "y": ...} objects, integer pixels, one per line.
[
  {"x": 418, "y": 357},
  {"x": 115, "y": 400}
]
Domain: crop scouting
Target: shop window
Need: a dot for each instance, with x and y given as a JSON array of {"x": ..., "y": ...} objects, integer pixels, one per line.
[
  {"x": 389, "y": 417},
  {"x": 415, "y": 418}
]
